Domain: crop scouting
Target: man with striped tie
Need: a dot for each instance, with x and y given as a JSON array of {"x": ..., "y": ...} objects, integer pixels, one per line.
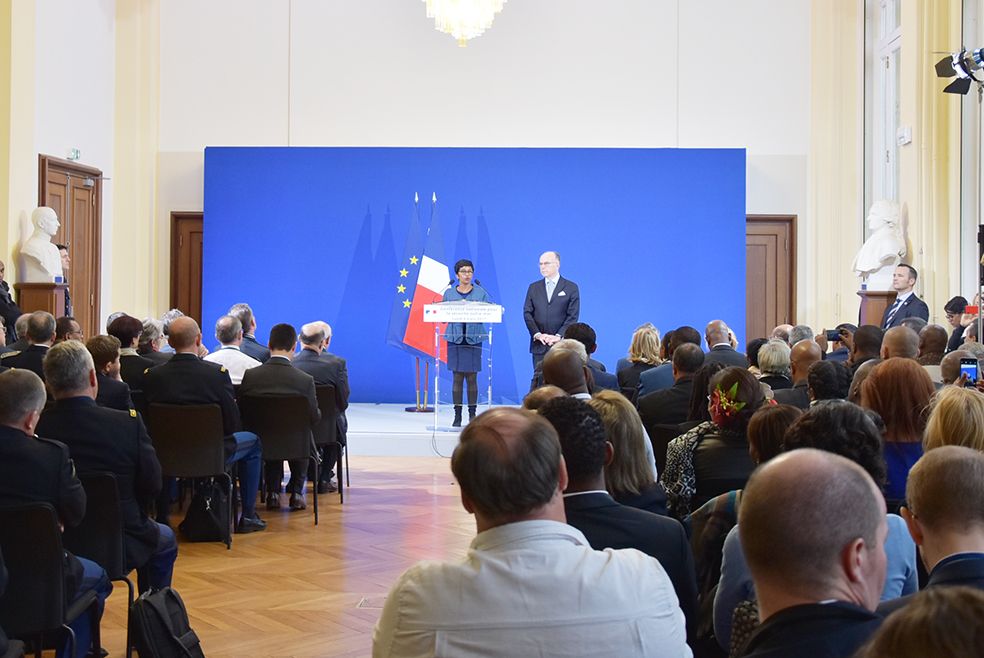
[{"x": 907, "y": 304}]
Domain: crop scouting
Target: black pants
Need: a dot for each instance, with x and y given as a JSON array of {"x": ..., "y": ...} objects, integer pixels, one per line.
[
  {"x": 275, "y": 475},
  {"x": 456, "y": 386}
]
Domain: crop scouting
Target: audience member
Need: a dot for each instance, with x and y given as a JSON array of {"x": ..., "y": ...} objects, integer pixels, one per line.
[
  {"x": 976, "y": 349},
  {"x": 774, "y": 364},
  {"x": 151, "y": 341},
  {"x": 186, "y": 379},
  {"x": 840, "y": 352},
  {"x": 950, "y": 366},
  {"x": 699, "y": 410},
  {"x": 854, "y": 393},
  {"x": 9, "y": 310},
  {"x": 250, "y": 345},
  {"x": 713, "y": 458},
  {"x": 170, "y": 316},
  {"x": 900, "y": 342},
  {"x": 865, "y": 345},
  {"x": 327, "y": 369},
  {"x": 628, "y": 476},
  {"x": 914, "y": 323},
  {"x": 604, "y": 522},
  {"x": 954, "y": 311},
  {"x": 800, "y": 332},
  {"x": 40, "y": 470},
  {"x": 644, "y": 353},
  {"x": 133, "y": 367},
  {"x": 781, "y": 332},
  {"x": 113, "y": 316},
  {"x": 970, "y": 334},
  {"x": 112, "y": 391},
  {"x": 721, "y": 345},
  {"x": 512, "y": 476},
  {"x": 828, "y": 380},
  {"x": 907, "y": 304},
  {"x": 817, "y": 594},
  {"x": 584, "y": 334},
  {"x": 802, "y": 355},
  {"x": 67, "y": 328},
  {"x": 944, "y": 511},
  {"x": 540, "y": 396},
  {"x": 944, "y": 622},
  {"x": 3, "y": 339},
  {"x": 40, "y": 332},
  {"x": 20, "y": 331},
  {"x": 752, "y": 354},
  {"x": 277, "y": 378},
  {"x": 229, "y": 333},
  {"x": 670, "y": 406},
  {"x": 932, "y": 346},
  {"x": 899, "y": 390},
  {"x": 568, "y": 368},
  {"x": 107, "y": 440},
  {"x": 661, "y": 376},
  {"x": 956, "y": 418}
]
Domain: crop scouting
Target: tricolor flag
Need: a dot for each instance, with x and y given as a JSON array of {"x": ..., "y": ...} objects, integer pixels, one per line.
[{"x": 432, "y": 281}]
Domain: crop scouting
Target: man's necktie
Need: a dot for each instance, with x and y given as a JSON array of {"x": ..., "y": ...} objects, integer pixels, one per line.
[
  {"x": 891, "y": 313},
  {"x": 550, "y": 289}
]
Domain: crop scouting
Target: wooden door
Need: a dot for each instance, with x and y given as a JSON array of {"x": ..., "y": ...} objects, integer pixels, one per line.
[
  {"x": 186, "y": 263},
  {"x": 74, "y": 191},
  {"x": 770, "y": 273}
]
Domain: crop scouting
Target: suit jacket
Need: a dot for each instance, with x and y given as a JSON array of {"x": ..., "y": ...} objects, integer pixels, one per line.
[
  {"x": 9, "y": 310},
  {"x": 961, "y": 569},
  {"x": 727, "y": 355},
  {"x": 186, "y": 379},
  {"x": 603, "y": 379},
  {"x": 655, "y": 379},
  {"x": 776, "y": 382},
  {"x": 652, "y": 499},
  {"x": 913, "y": 307},
  {"x": 251, "y": 347},
  {"x": 798, "y": 396},
  {"x": 607, "y": 524},
  {"x": 668, "y": 406},
  {"x": 628, "y": 374},
  {"x": 132, "y": 369},
  {"x": 29, "y": 359},
  {"x": 157, "y": 357},
  {"x": 113, "y": 394},
  {"x": 813, "y": 630},
  {"x": 277, "y": 377},
  {"x": 550, "y": 317},
  {"x": 103, "y": 439},
  {"x": 328, "y": 369}
]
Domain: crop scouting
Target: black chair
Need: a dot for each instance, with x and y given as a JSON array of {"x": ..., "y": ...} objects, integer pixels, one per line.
[
  {"x": 631, "y": 393},
  {"x": 35, "y": 603},
  {"x": 100, "y": 535},
  {"x": 660, "y": 436},
  {"x": 326, "y": 432},
  {"x": 14, "y": 648},
  {"x": 190, "y": 443},
  {"x": 283, "y": 424}
]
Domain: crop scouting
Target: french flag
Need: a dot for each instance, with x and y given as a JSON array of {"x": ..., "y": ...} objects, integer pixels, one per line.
[{"x": 431, "y": 284}]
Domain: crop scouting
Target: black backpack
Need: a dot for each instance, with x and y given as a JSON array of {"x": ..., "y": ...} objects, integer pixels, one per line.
[{"x": 159, "y": 627}]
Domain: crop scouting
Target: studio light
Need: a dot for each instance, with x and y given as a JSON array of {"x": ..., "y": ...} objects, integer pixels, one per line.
[
  {"x": 463, "y": 19},
  {"x": 962, "y": 65}
]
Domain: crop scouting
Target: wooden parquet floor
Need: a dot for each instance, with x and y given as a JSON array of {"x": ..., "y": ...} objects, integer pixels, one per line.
[{"x": 297, "y": 590}]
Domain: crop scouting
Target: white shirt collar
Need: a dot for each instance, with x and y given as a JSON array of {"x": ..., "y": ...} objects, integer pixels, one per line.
[
  {"x": 583, "y": 493},
  {"x": 725, "y": 344},
  {"x": 901, "y": 298},
  {"x": 553, "y": 279},
  {"x": 230, "y": 347}
]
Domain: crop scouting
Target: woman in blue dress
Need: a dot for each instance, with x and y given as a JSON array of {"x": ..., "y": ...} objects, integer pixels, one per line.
[{"x": 465, "y": 340}]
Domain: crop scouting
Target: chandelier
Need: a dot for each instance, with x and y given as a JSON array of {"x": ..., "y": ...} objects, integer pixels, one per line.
[{"x": 463, "y": 19}]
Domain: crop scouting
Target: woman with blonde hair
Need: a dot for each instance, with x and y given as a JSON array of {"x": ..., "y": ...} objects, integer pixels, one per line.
[
  {"x": 629, "y": 476},
  {"x": 956, "y": 418},
  {"x": 644, "y": 353}
]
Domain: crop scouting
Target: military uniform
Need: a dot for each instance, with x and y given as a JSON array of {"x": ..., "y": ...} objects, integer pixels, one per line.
[
  {"x": 113, "y": 394},
  {"x": 132, "y": 369},
  {"x": 29, "y": 359}
]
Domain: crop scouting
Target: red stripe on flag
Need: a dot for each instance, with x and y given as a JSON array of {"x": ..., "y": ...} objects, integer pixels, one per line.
[{"x": 420, "y": 334}]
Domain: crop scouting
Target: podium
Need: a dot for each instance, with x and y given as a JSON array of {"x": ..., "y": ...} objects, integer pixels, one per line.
[
  {"x": 442, "y": 313},
  {"x": 874, "y": 303},
  {"x": 48, "y": 297}
]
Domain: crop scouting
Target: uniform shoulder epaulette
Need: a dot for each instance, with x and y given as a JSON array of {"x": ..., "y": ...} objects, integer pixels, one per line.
[
  {"x": 222, "y": 369},
  {"x": 146, "y": 370},
  {"x": 133, "y": 413},
  {"x": 11, "y": 353}
]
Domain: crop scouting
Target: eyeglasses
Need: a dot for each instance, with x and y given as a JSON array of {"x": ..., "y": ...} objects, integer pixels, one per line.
[{"x": 465, "y": 271}]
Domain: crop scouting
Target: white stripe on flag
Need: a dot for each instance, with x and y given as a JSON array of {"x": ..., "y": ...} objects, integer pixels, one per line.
[{"x": 433, "y": 275}]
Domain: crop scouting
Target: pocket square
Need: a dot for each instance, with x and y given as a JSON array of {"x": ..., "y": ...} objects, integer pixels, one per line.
[{"x": 561, "y": 294}]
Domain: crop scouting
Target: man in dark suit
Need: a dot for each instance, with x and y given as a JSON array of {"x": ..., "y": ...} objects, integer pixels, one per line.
[
  {"x": 606, "y": 523},
  {"x": 40, "y": 334},
  {"x": 109, "y": 440},
  {"x": 113, "y": 392},
  {"x": 670, "y": 406},
  {"x": 275, "y": 378},
  {"x": 945, "y": 514},
  {"x": 552, "y": 304},
  {"x": 326, "y": 368},
  {"x": 250, "y": 346},
  {"x": 186, "y": 379},
  {"x": 907, "y": 304},
  {"x": 721, "y": 345},
  {"x": 661, "y": 377},
  {"x": 803, "y": 355},
  {"x": 584, "y": 334},
  {"x": 40, "y": 470},
  {"x": 817, "y": 595},
  {"x": 9, "y": 310},
  {"x": 127, "y": 330}
]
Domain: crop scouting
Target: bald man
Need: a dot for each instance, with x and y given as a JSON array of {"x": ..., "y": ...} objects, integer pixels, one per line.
[
  {"x": 552, "y": 304},
  {"x": 900, "y": 343},
  {"x": 566, "y": 367},
  {"x": 803, "y": 355},
  {"x": 721, "y": 346},
  {"x": 812, "y": 527}
]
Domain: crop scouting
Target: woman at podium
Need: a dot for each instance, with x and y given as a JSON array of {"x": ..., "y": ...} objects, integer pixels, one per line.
[{"x": 465, "y": 340}]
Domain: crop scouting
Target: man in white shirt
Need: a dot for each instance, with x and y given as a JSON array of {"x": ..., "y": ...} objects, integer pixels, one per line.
[
  {"x": 530, "y": 585},
  {"x": 229, "y": 333}
]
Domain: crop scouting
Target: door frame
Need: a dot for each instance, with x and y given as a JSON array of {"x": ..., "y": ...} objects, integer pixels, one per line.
[
  {"x": 791, "y": 221},
  {"x": 176, "y": 217}
]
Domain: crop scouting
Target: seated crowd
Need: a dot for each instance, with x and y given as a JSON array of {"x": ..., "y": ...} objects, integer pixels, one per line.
[{"x": 70, "y": 408}]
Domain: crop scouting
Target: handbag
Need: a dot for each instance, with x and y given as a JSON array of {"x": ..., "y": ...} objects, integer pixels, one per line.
[{"x": 209, "y": 514}]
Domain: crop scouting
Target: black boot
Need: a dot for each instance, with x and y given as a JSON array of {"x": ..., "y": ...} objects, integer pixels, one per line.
[
  {"x": 472, "y": 409},
  {"x": 457, "y": 416}
]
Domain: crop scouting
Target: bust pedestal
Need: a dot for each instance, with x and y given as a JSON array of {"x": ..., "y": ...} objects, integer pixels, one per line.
[
  {"x": 48, "y": 297},
  {"x": 873, "y": 305}
]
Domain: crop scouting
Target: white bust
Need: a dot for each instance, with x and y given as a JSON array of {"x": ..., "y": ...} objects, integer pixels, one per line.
[
  {"x": 884, "y": 248},
  {"x": 40, "y": 260}
]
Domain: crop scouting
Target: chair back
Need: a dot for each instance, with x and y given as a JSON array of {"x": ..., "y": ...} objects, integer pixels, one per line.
[
  {"x": 30, "y": 539},
  {"x": 661, "y": 435},
  {"x": 189, "y": 439},
  {"x": 326, "y": 431},
  {"x": 282, "y": 422},
  {"x": 100, "y": 535}
]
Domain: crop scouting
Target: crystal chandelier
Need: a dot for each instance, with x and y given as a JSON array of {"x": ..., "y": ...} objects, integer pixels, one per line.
[{"x": 463, "y": 19}]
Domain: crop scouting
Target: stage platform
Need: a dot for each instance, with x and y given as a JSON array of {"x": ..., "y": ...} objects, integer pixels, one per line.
[{"x": 388, "y": 430}]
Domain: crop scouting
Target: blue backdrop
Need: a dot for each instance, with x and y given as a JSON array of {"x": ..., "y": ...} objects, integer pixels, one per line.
[{"x": 302, "y": 234}]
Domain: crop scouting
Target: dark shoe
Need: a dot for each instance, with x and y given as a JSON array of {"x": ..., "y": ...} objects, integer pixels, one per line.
[
  {"x": 247, "y": 525},
  {"x": 327, "y": 487},
  {"x": 102, "y": 653},
  {"x": 457, "y": 416},
  {"x": 297, "y": 502},
  {"x": 472, "y": 409},
  {"x": 273, "y": 501}
]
